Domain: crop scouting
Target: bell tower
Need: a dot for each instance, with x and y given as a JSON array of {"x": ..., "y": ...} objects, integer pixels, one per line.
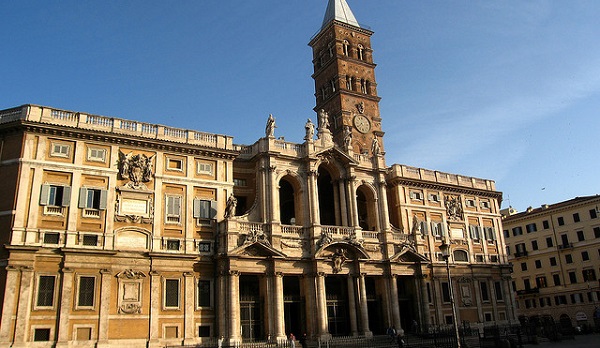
[{"x": 344, "y": 75}]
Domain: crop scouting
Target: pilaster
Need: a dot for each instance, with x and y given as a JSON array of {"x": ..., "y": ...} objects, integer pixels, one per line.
[
  {"x": 364, "y": 309},
  {"x": 66, "y": 300}
]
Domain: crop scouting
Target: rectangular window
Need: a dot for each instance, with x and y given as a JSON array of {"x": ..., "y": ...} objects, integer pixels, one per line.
[
  {"x": 60, "y": 150},
  {"x": 475, "y": 232},
  {"x": 549, "y": 242},
  {"x": 498, "y": 291},
  {"x": 556, "y": 279},
  {"x": 523, "y": 266},
  {"x": 172, "y": 293},
  {"x": 240, "y": 182},
  {"x": 546, "y": 224},
  {"x": 531, "y": 228},
  {"x": 173, "y": 244},
  {"x": 540, "y": 282},
  {"x": 90, "y": 240},
  {"x": 506, "y": 234},
  {"x": 51, "y": 238},
  {"x": 55, "y": 195},
  {"x": 86, "y": 293},
  {"x": 204, "y": 209},
  {"x": 470, "y": 203},
  {"x": 204, "y": 168},
  {"x": 204, "y": 293},
  {"x": 488, "y": 316},
  {"x": 561, "y": 221},
  {"x": 580, "y": 236},
  {"x": 517, "y": 231},
  {"x": 589, "y": 275},
  {"x": 437, "y": 229},
  {"x": 433, "y": 197},
  {"x": 94, "y": 199},
  {"x": 593, "y": 214},
  {"x": 41, "y": 335},
  {"x": 173, "y": 209},
  {"x": 418, "y": 196},
  {"x": 585, "y": 256},
  {"x": 485, "y": 204},
  {"x": 526, "y": 284},
  {"x": 534, "y": 245},
  {"x": 203, "y": 331},
  {"x": 490, "y": 234},
  {"x": 596, "y": 232},
  {"x": 96, "y": 154},
  {"x": 45, "y": 295},
  {"x": 576, "y": 217},
  {"x": 204, "y": 247},
  {"x": 553, "y": 261},
  {"x": 174, "y": 164},
  {"x": 568, "y": 258},
  {"x": 445, "y": 292},
  {"x": 572, "y": 277},
  {"x": 485, "y": 295},
  {"x": 538, "y": 264}
]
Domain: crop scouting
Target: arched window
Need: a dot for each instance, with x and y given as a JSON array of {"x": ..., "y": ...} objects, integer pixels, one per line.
[
  {"x": 363, "y": 86},
  {"x": 461, "y": 256},
  {"x": 360, "y": 52},
  {"x": 346, "y": 48},
  {"x": 348, "y": 83}
]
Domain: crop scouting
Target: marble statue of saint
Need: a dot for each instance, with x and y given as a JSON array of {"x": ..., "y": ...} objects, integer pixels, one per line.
[
  {"x": 310, "y": 130},
  {"x": 270, "y": 127}
]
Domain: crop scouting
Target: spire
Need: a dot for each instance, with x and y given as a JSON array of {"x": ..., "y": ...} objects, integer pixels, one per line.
[{"x": 340, "y": 11}]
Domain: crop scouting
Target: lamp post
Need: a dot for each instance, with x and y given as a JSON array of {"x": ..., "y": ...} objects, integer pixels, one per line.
[{"x": 445, "y": 249}]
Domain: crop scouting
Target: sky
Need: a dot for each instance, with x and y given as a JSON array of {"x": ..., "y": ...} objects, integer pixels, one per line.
[{"x": 501, "y": 90}]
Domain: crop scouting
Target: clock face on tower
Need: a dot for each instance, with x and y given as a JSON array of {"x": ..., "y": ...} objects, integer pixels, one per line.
[{"x": 362, "y": 124}]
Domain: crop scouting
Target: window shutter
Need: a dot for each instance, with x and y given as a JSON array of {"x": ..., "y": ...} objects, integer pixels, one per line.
[
  {"x": 434, "y": 229},
  {"x": 424, "y": 229},
  {"x": 443, "y": 227},
  {"x": 196, "y": 210},
  {"x": 177, "y": 206},
  {"x": 66, "y": 198},
  {"x": 82, "y": 198},
  {"x": 44, "y": 194},
  {"x": 103, "y": 199},
  {"x": 213, "y": 209}
]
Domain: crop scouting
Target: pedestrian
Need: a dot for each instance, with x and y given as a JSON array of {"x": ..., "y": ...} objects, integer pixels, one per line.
[
  {"x": 414, "y": 327},
  {"x": 400, "y": 339},
  {"x": 302, "y": 340},
  {"x": 220, "y": 342},
  {"x": 292, "y": 341},
  {"x": 391, "y": 331}
]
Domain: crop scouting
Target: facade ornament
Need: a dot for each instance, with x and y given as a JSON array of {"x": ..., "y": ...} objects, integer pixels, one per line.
[
  {"x": 257, "y": 236},
  {"x": 310, "y": 130},
  {"x": 230, "y": 207},
  {"x": 130, "y": 308},
  {"x": 454, "y": 209},
  {"x": 416, "y": 225},
  {"x": 339, "y": 258},
  {"x": 353, "y": 239},
  {"x": 295, "y": 245},
  {"x": 137, "y": 168},
  {"x": 324, "y": 239},
  {"x": 270, "y": 127},
  {"x": 372, "y": 248},
  {"x": 347, "y": 137},
  {"x": 131, "y": 274},
  {"x": 360, "y": 107}
]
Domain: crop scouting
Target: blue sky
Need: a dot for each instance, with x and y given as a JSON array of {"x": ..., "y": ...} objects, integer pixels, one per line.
[{"x": 503, "y": 90}]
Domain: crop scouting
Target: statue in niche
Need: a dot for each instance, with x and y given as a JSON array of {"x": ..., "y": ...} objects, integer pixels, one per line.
[
  {"x": 270, "y": 127},
  {"x": 339, "y": 258},
  {"x": 310, "y": 130},
  {"x": 347, "y": 137},
  {"x": 137, "y": 168},
  {"x": 230, "y": 207}
]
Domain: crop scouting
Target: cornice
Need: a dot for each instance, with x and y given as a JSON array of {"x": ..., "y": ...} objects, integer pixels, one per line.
[{"x": 445, "y": 187}]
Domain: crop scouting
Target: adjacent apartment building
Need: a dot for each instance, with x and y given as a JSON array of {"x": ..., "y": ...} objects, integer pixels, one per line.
[
  {"x": 120, "y": 233},
  {"x": 555, "y": 253}
]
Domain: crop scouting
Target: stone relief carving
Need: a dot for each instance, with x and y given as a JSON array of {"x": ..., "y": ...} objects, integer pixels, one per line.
[
  {"x": 325, "y": 239},
  {"x": 257, "y": 236},
  {"x": 353, "y": 239},
  {"x": 454, "y": 209},
  {"x": 296, "y": 244},
  {"x": 130, "y": 308},
  {"x": 465, "y": 294},
  {"x": 340, "y": 256},
  {"x": 130, "y": 291},
  {"x": 137, "y": 168},
  {"x": 360, "y": 107},
  {"x": 131, "y": 274}
]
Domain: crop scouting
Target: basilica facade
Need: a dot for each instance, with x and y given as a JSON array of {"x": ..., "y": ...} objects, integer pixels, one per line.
[{"x": 123, "y": 233}]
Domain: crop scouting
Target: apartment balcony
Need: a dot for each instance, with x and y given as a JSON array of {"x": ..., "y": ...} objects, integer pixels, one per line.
[
  {"x": 521, "y": 253},
  {"x": 565, "y": 246},
  {"x": 530, "y": 291}
]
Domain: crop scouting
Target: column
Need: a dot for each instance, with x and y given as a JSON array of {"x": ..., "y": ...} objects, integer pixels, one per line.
[
  {"x": 352, "y": 309},
  {"x": 66, "y": 300},
  {"x": 364, "y": 309},
  {"x": 279, "y": 315},
  {"x": 343, "y": 205},
  {"x": 234, "y": 308},
  {"x": 273, "y": 197},
  {"x": 383, "y": 206},
  {"x": 189, "y": 330},
  {"x": 508, "y": 299},
  {"x": 336, "y": 207},
  {"x": 321, "y": 305},
  {"x": 311, "y": 304},
  {"x": 9, "y": 305},
  {"x": 394, "y": 302},
  {"x": 478, "y": 301},
  {"x": 313, "y": 197},
  {"x": 24, "y": 305},
  {"x": 424, "y": 303},
  {"x": 155, "y": 300},
  {"x": 221, "y": 292},
  {"x": 492, "y": 290},
  {"x": 352, "y": 197},
  {"x": 438, "y": 300},
  {"x": 104, "y": 305}
]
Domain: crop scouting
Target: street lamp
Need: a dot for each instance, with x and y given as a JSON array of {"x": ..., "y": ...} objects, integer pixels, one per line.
[{"x": 445, "y": 249}]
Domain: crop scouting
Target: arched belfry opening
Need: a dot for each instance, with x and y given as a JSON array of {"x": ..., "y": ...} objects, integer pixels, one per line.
[
  {"x": 326, "y": 197},
  {"x": 366, "y": 205},
  {"x": 290, "y": 212}
]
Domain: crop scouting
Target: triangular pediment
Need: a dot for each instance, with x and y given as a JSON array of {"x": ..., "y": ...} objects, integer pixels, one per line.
[
  {"x": 258, "y": 249},
  {"x": 408, "y": 254}
]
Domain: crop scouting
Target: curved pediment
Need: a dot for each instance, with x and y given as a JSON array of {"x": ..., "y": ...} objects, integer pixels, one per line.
[
  {"x": 257, "y": 249},
  {"x": 353, "y": 251}
]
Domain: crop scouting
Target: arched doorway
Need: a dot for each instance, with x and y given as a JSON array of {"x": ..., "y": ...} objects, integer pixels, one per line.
[{"x": 326, "y": 197}]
